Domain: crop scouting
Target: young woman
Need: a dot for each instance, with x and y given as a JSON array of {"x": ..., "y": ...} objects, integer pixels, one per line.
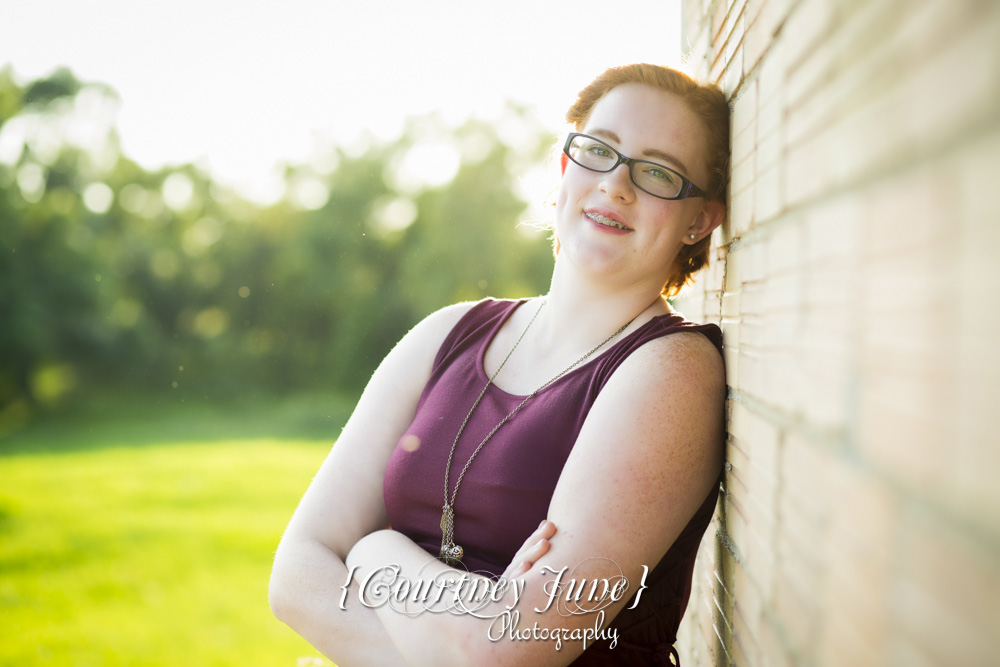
[{"x": 565, "y": 442}]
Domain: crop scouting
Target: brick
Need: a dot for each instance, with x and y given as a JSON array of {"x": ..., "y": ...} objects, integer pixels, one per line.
[
  {"x": 712, "y": 277},
  {"x": 754, "y": 264},
  {"x": 769, "y": 150},
  {"x": 829, "y": 289},
  {"x": 900, "y": 80},
  {"x": 906, "y": 212},
  {"x": 807, "y": 120},
  {"x": 896, "y": 292},
  {"x": 847, "y": 641},
  {"x": 733, "y": 264},
  {"x": 759, "y": 559},
  {"x": 740, "y": 212},
  {"x": 782, "y": 300},
  {"x": 774, "y": 647},
  {"x": 732, "y": 54},
  {"x": 752, "y": 490},
  {"x": 976, "y": 494},
  {"x": 794, "y": 603},
  {"x": 733, "y": 29},
  {"x": 731, "y": 351},
  {"x": 785, "y": 247},
  {"x": 690, "y": 653},
  {"x": 748, "y": 613},
  {"x": 731, "y": 319},
  {"x": 773, "y": 71},
  {"x": 744, "y": 140},
  {"x": 770, "y": 115},
  {"x": 719, "y": 12},
  {"x": 753, "y": 333},
  {"x": 706, "y": 629},
  {"x": 834, "y": 231},
  {"x": 752, "y": 291},
  {"x": 744, "y": 109},
  {"x": 717, "y": 69},
  {"x": 764, "y": 19},
  {"x": 855, "y": 64},
  {"x": 724, "y": 595},
  {"x": 813, "y": 483},
  {"x": 806, "y": 174},
  {"x": 760, "y": 435},
  {"x": 768, "y": 16},
  {"x": 904, "y": 420},
  {"x": 946, "y": 592},
  {"x": 699, "y": 610},
  {"x": 743, "y": 174},
  {"x": 970, "y": 96},
  {"x": 781, "y": 378},
  {"x": 749, "y": 523},
  {"x": 751, "y": 370},
  {"x": 769, "y": 200},
  {"x": 731, "y": 315},
  {"x": 825, "y": 361},
  {"x": 757, "y": 36},
  {"x": 863, "y": 532},
  {"x": 806, "y": 32}
]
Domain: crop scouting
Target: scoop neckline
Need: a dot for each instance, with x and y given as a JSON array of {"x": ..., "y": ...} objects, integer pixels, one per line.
[{"x": 514, "y": 305}]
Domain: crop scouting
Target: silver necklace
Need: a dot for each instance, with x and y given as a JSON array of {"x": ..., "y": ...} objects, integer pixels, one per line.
[{"x": 452, "y": 553}]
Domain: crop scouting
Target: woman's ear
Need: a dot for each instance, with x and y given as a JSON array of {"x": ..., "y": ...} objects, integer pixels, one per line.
[
  {"x": 711, "y": 216},
  {"x": 563, "y": 160}
]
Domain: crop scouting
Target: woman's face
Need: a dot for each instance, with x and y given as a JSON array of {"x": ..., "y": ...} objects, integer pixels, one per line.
[{"x": 648, "y": 124}]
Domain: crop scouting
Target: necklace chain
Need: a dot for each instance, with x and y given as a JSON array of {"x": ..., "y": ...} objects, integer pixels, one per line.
[{"x": 451, "y": 553}]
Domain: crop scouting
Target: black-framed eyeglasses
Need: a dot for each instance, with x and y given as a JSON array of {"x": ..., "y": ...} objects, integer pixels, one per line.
[{"x": 650, "y": 177}]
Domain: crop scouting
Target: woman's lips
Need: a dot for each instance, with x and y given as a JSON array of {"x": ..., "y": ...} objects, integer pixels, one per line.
[{"x": 607, "y": 219}]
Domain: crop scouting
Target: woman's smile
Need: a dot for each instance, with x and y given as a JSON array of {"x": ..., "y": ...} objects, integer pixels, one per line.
[{"x": 607, "y": 219}]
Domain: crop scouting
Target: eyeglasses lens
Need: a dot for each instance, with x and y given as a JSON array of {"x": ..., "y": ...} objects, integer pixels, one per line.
[{"x": 649, "y": 176}]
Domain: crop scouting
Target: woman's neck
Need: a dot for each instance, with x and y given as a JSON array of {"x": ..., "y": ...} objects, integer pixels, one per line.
[{"x": 578, "y": 311}]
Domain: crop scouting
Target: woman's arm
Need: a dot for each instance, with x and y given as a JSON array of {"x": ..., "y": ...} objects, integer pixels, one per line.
[
  {"x": 647, "y": 456},
  {"x": 345, "y": 502}
]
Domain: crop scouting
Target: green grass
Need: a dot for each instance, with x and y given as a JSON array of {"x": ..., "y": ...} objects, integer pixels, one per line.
[{"x": 123, "y": 542}]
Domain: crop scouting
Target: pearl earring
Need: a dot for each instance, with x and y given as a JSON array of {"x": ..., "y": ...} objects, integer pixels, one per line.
[{"x": 691, "y": 236}]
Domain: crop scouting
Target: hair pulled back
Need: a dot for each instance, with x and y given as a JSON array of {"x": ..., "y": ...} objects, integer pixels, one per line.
[{"x": 709, "y": 104}]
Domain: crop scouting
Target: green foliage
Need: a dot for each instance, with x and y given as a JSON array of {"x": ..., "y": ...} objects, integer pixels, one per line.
[{"x": 114, "y": 276}]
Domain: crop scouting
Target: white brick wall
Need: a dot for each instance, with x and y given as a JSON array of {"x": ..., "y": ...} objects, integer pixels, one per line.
[{"x": 855, "y": 282}]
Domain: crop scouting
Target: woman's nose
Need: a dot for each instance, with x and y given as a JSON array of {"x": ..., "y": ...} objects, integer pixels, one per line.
[{"x": 617, "y": 183}]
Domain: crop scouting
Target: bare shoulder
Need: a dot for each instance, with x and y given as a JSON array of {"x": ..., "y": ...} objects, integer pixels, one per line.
[
  {"x": 440, "y": 322},
  {"x": 672, "y": 391},
  {"x": 684, "y": 361},
  {"x": 665, "y": 405},
  {"x": 648, "y": 454}
]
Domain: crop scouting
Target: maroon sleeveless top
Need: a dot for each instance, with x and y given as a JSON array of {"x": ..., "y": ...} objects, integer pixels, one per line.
[{"x": 506, "y": 492}]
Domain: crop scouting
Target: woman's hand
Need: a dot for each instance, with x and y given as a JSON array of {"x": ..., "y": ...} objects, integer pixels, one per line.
[{"x": 536, "y": 546}]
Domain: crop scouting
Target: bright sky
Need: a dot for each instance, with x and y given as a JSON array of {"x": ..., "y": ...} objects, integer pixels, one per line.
[{"x": 241, "y": 86}]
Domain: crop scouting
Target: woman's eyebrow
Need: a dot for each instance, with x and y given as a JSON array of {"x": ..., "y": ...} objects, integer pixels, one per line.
[{"x": 649, "y": 152}]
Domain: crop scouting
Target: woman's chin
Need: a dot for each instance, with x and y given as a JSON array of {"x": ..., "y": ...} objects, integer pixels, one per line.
[{"x": 594, "y": 261}]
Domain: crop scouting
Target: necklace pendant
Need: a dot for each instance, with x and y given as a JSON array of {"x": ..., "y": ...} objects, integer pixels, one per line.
[
  {"x": 447, "y": 519},
  {"x": 452, "y": 554}
]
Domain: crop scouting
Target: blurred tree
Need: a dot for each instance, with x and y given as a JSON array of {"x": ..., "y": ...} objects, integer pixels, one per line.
[
  {"x": 115, "y": 276},
  {"x": 48, "y": 295}
]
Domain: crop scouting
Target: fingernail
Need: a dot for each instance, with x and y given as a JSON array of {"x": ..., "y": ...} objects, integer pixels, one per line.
[{"x": 542, "y": 523}]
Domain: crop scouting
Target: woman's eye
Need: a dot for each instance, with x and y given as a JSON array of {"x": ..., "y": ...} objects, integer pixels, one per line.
[
  {"x": 661, "y": 175},
  {"x": 599, "y": 150}
]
